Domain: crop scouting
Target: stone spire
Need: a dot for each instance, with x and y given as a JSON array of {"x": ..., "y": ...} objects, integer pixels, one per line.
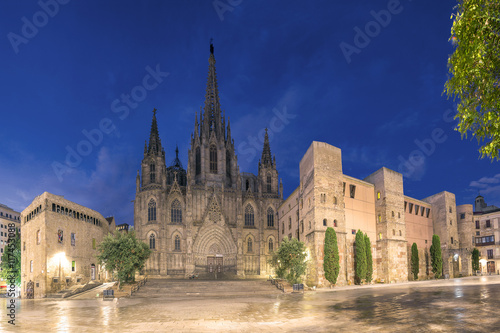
[
  {"x": 154, "y": 147},
  {"x": 266, "y": 159},
  {"x": 212, "y": 118},
  {"x": 228, "y": 131}
]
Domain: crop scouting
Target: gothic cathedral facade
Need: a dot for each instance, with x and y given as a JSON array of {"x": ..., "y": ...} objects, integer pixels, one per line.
[{"x": 211, "y": 218}]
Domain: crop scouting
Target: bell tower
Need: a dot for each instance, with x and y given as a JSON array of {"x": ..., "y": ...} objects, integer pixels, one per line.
[
  {"x": 268, "y": 175},
  {"x": 153, "y": 163}
]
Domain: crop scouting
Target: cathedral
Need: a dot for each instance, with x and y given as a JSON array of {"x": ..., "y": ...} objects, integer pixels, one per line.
[{"x": 209, "y": 219}]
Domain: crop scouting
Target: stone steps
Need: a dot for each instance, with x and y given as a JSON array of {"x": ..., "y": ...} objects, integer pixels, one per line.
[{"x": 206, "y": 288}]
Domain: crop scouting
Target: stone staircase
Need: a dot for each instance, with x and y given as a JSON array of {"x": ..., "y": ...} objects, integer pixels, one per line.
[
  {"x": 206, "y": 288},
  {"x": 74, "y": 290}
]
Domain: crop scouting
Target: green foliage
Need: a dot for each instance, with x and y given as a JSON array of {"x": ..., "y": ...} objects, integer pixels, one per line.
[
  {"x": 289, "y": 261},
  {"x": 415, "y": 268},
  {"x": 475, "y": 259},
  {"x": 436, "y": 259},
  {"x": 360, "y": 258},
  {"x": 11, "y": 260},
  {"x": 474, "y": 70},
  {"x": 369, "y": 259},
  {"x": 123, "y": 253},
  {"x": 331, "y": 256}
]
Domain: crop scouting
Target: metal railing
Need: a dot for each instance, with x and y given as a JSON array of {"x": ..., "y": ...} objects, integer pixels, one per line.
[{"x": 138, "y": 285}]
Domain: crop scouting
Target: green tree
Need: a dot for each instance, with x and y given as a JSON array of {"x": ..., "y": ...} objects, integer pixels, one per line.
[
  {"x": 436, "y": 259},
  {"x": 123, "y": 253},
  {"x": 360, "y": 258},
  {"x": 289, "y": 261},
  {"x": 475, "y": 260},
  {"x": 415, "y": 267},
  {"x": 474, "y": 70},
  {"x": 369, "y": 259},
  {"x": 11, "y": 259},
  {"x": 331, "y": 256}
]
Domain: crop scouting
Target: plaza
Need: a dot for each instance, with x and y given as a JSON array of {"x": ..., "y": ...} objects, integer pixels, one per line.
[{"x": 465, "y": 304}]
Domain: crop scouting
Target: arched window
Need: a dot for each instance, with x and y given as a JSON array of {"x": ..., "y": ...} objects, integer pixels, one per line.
[
  {"x": 393, "y": 232},
  {"x": 249, "y": 245},
  {"x": 213, "y": 159},
  {"x": 177, "y": 243},
  {"x": 247, "y": 185},
  {"x": 152, "y": 173},
  {"x": 334, "y": 200},
  {"x": 176, "y": 212},
  {"x": 152, "y": 210},
  {"x": 198, "y": 161},
  {"x": 152, "y": 242},
  {"x": 335, "y": 223},
  {"x": 270, "y": 217},
  {"x": 271, "y": 245},
  {"x": 400, "y": 233},
  {"x": 269, "y": 182},
  {"x": 249, "y": 221},
  {"x": 324, "y": 222}
]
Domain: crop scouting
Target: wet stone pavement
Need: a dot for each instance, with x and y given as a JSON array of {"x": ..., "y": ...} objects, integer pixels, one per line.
[{"x": 456, "y": 305}]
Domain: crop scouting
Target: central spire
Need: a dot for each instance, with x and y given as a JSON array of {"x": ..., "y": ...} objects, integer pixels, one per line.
[
  {"x": 212, "y": 118},
  {"x": 154, "y": 146}
]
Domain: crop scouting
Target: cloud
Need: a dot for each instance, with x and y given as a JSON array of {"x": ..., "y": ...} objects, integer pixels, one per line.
[{"x": 486, "y": 186}]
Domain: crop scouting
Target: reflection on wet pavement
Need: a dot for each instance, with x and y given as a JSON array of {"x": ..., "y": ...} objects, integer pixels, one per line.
[{"x": 452, "y": 308}]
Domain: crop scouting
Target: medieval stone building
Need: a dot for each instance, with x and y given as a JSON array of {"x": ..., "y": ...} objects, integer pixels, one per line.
[
  {"x": 377, "y": 206},
  {"x": 210, "y": 218}
]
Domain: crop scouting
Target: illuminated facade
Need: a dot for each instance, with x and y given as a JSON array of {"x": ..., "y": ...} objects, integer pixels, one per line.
[
  {"x": 377, "y": 206},
  {"x": 59, "y": 244},
  {"x": 210, "y": 218}
]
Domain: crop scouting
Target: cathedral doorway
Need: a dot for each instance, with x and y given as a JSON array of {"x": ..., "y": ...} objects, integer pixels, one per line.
[{"x": 215, "y": 264}]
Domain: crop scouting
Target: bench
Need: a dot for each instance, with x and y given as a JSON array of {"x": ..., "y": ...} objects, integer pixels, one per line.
[{"x": 108, "y": 294}]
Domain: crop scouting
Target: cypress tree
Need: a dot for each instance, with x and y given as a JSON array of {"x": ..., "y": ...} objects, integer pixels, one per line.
[
  {"x": 475, "y": 260},
  {"x": 414, "y": 261},
  {"x": 436, "y": 258},
  {"x": 369, "y": 259},
  {"x": 360, "y": 258},
  {"x": 331, "y": 256}
]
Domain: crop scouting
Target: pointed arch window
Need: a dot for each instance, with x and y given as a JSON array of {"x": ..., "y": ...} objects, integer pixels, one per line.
[
  {"x": 198, "y": 161},
  {"x": 249, "y": 216},
  {"x": 249, "y": 245},
  {"x": 271, "y": 245},
  {"x": 269, "y": 183},
  {"x": 176, "y": 212},
  {"x": 213, "y": 159},
  {"x": 152, "y": 210},
  {"x": 177, "y": 243},
  {"x": 152, "y": 173},
  {"x": 247, "y": 185},
  {"x": 270, "y": 217},
  {"x": 152, "y": 242}
]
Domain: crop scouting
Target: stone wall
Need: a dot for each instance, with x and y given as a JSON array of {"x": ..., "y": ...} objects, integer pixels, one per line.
[{"x": 59, "y": 249}]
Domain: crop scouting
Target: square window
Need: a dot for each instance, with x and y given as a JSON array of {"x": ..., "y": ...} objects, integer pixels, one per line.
[
  {"x": 488, "y": 224},
  {"x": 462, "y": 216}
]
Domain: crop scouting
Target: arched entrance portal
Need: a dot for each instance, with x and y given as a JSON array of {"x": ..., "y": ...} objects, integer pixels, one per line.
[{"x": 215, "y": 251}]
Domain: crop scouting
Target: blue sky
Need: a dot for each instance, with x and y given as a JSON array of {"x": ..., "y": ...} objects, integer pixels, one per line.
[{"x": 67, "y": 70}]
